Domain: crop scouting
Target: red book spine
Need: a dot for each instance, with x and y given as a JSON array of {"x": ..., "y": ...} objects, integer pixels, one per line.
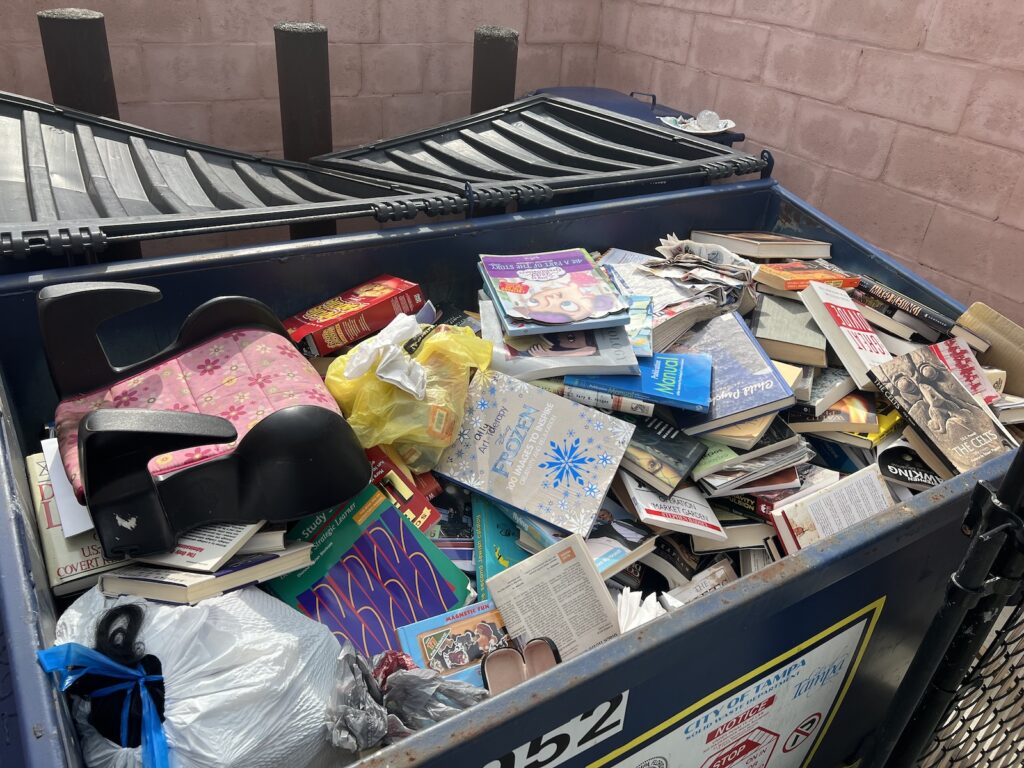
[{"x": 401, "y": 491}]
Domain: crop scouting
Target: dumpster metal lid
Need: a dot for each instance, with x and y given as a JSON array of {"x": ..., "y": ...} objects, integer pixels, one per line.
[
  {"x": 71, "y": 181},
  {"x": 543, "y": 146}
]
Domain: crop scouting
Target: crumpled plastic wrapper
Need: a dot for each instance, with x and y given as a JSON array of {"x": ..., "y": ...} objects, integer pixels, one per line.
[
  {"x": 393, "y": 364},
  {"x": 422, "y": 697}
]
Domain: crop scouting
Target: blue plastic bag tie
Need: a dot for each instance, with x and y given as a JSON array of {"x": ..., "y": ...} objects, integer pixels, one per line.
[{"x": 71, "y": 661}]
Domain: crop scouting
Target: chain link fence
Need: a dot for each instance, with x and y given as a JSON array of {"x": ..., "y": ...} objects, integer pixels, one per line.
[{"x": 984, "y": 726}]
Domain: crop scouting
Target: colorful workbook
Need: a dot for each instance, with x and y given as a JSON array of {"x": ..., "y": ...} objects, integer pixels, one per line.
[
  {"x": 535, "y": 451},
  {"x": 372, "y": 571}
]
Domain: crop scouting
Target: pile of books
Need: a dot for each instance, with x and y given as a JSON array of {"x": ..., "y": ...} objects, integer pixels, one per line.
[{"x": 666, "y": 422}]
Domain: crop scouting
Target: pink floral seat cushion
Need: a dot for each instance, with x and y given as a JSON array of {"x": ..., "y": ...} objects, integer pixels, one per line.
[{"x": 244, "y": 376}]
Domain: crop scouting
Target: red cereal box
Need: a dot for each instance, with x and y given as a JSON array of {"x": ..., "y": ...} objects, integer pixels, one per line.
[{"x": 354, "y": 314}]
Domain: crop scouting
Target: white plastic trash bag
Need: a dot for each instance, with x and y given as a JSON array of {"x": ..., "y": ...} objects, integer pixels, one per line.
[{"x": 247, "y": 681}]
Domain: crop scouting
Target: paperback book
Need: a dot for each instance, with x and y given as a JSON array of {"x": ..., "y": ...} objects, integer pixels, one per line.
[
  {"x": 495, "y": 537},
  {"x": 674, "y": 380},
  {"x": 641, "y": 325},
  {"x": 534, "y": 451},
  {"x": 661, "y": 456},
  {"x": 745, "y": 382},
  {"x": 798, "y": 275},
  {"x": 957, "y": 356},
  {"x": 959, "y": 433},
  {"x": 206, "y": 548},
  {"x": 547, "y": 355},
  {"x": 849, "y": 334},
  {"x": 854, "y": 413},
  {"x": 787, "y": 332},
  {"x": 830, "y": 386},
  {"x": 595, "y": 399},
  {"x": 686, "y": 511},
  {"x": 401, "y": 490}
]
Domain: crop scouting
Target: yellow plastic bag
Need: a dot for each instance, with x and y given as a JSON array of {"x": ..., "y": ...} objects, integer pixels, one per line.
[{"x": 382, "y": 414}]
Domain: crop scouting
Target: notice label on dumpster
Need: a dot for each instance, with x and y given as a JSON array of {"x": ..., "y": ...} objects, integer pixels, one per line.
[{"x": 772, "y": 717}]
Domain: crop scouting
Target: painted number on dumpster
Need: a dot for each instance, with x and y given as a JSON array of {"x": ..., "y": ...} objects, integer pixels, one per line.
[
  {"x": 570, "y": 739},
  {"x": 774, "y": 716}
]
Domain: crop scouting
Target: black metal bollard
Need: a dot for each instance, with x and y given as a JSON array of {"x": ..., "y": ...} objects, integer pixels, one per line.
[
  {"x": 304, "y": 94},
  {"x": 78, "y": 60},
  {"x": 495, "y": 51}
]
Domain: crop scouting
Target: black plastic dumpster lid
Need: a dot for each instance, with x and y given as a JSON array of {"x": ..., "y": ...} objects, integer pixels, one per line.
[
  {"x": 71, "y": 182},
  {"x": 542, "y": 147}
]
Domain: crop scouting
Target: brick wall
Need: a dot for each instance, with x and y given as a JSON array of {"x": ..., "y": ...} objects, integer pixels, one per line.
[
  {"x": 903, "y": 119},
  {"x": 205, "y": 69}
]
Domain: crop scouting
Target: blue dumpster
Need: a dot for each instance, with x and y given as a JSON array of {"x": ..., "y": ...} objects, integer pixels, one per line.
[{"x": 792, "y": 666}]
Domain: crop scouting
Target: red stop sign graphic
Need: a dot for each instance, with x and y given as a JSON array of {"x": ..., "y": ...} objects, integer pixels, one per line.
[{"x": 757, "y": 740}]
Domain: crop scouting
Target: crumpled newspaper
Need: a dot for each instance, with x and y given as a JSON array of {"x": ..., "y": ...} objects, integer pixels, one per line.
[
  {"x": 394, "y": 365},
  {"x": 634, "y": 610},
  {"x": 710, "y": 269}
]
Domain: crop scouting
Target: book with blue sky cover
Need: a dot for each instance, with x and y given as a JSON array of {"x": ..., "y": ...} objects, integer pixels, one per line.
[
  {"x": 676, "y": 380},
  {"x": 535, "y": 451},
  {"x": 745, "y": 382},
  {"x": 495, "y": 537}
]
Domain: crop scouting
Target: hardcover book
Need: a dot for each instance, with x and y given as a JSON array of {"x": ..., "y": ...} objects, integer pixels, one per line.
[
  {"x": 371, "y": 572},
  {"x": 686, "y": 511},
  {"x": 602, "y": 351},
  {"x": 798, "y": 275},
  {"x": 832, "y": 509},
  {"x": 557, "y": 288},
  {"x": 745, "y": 382},
  {"x": 534, "y": 451},
  {"x": 454, "y": 643},
  {"x": 495, "y": 537},
  {"x": 353, "y": 315},
  {"x": 787, "y": 332},
  {"x": 72, "y": 564},
  {"x": 850, "y": 335},
  {"x": 854, "y": 413},
  {"x": 765, "y": 245},
  {"x": 401, "y": 490},
  {"x": 675, "y": 380},
  {"x": 959, "y": 431}
]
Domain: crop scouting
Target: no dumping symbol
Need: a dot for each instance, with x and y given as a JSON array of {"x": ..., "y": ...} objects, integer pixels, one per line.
[{"x": 802, "y": 732}]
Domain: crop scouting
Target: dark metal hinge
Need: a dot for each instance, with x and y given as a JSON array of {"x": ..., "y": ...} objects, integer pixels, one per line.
[{"x": 57, "y": 241}]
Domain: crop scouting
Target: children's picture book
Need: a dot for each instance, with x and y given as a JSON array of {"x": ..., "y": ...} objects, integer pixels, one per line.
[
  {"x": 371, "y": 572},
  {"x": 765, "y": 245},
  {"x": 401, "y": 490},
  {"x": 546, "y": 355},
  {"x": 641, "y": 325},
  {"x": 745, "y": 384},
  {"x": 556, "y": 287},
  {"x": 353, "y": 315},
  {"x": 686, "y": 511},
  {"x": 850, "y": 335},
  {"x": 453, "y": 643},
  {"x": 172, "y": 585},
  {"x": 495, "y": 537},
  {"x": 671, "y": 379},
  {"x": 958, "y": 431},
  {"x": 537, "y": 452},
  {"x": 75, "y": 563}
]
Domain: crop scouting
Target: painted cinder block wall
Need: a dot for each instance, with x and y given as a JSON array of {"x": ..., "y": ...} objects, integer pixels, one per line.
[
  {"x": 903, "y": 119},
  {"x": 205, "y": 69}
]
